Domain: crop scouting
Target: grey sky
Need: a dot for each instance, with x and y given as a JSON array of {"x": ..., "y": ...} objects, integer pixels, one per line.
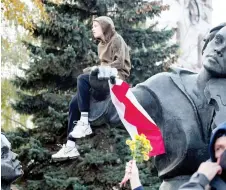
[{"x": 219, "y": 13}]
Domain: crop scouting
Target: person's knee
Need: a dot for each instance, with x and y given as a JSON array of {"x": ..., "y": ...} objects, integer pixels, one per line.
[{"x": 81, "y": 77}]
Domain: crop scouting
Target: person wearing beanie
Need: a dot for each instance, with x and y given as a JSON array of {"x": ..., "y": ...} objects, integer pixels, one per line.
[{"x": 113, "y": 52}]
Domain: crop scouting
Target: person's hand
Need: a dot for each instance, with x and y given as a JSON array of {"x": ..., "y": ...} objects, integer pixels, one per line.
[
  {"x": 131, "y": 168},
  {"x": 106, "y": 72},
  {"x": 99, "y": 81},
  {"x": 103, "y": 73},
  {"x": 99, "y": 78},
  {"x": 132, "y": 173},
  {"x": 209, "y": 169}
]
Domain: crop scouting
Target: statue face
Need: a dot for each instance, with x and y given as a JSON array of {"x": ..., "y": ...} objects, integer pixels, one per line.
[
  {"x": 214, "y": 57},
  {"x": 10, "y": 165}
]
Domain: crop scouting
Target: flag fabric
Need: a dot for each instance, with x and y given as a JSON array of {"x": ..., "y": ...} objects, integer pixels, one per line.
[{"x": 133, "y": 116}]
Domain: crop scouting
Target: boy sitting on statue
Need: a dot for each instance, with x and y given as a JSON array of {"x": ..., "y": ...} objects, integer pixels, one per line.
[{"x": 113, "y": 52}]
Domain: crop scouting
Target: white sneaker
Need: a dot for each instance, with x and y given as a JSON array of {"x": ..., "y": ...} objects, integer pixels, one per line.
[
  {"x": 66, "y": 153},
  {"x": 81, "y": 129}
]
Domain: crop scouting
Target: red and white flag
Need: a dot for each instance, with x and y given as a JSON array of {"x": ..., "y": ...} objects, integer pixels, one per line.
[{"x": 133, "y": 116}]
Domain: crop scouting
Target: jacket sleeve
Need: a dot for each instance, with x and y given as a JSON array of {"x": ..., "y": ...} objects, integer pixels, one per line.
[
  {"x": 119, "y": 54},
  {"x": 139, "y": 188},
  {"x": 197, "y": 182}
]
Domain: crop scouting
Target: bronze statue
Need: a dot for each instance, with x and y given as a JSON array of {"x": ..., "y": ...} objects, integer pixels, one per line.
[
  {"x": 185, "y": 105},
  {"x": 10, "y": 165}
]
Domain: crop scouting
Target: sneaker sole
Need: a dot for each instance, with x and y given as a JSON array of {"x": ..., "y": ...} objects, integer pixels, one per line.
[
  {"x": 66, "y": 158},
  {"x": 89, "y": 133}
]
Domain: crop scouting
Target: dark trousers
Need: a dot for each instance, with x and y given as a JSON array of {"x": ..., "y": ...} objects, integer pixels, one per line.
[{"x": 80, "y": 102}]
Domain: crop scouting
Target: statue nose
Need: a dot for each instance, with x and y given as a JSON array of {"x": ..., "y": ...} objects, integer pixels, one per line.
[
  {"x": 219, "y": 53},
  {"x": 15, "y": 156}
]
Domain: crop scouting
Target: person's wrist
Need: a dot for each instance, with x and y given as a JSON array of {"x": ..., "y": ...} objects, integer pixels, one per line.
[
  {"x": 135, "y": 182},
  {"x": 201, "y": 178}
]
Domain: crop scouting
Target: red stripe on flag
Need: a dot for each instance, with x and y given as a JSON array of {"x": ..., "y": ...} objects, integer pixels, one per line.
[{"x": 135, "y": 117}]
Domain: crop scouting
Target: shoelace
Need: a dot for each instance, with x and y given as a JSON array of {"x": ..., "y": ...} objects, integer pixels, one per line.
[{"x": 76, "y": 122}]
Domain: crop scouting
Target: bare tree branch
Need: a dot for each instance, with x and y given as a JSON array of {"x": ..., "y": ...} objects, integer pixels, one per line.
[{"x": 9, "y": 118}]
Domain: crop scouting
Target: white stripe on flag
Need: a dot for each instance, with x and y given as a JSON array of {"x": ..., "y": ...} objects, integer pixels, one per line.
[{"x": 132, "y": 130}]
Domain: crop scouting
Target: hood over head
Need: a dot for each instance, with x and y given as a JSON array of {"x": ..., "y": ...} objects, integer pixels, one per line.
[
  {"x": 217, "y": 133},
  {"x": 107, "y": 26}
]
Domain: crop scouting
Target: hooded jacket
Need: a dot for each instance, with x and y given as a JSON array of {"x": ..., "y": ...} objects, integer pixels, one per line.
[
  {"x": 217, "y": 182},
  {"x": 113, "y": 51},
  {"x": 199, "y": 181}
]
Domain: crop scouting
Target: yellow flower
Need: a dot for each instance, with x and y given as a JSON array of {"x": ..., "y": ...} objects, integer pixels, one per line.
[
  {"x": 140, "y": 148},
  {"x": 143, "y": 152},
  {"x": 146, "y": 157},
  {"x": 150, "y": 148},
  {"x": 128, "y": 142},
  {"x": 137, "y": 137},
  {"x": 143, "y": 136},
  {"x": 132, "y": 147}
]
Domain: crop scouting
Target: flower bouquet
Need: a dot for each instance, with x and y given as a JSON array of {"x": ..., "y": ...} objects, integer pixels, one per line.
[{"x": 140, "y": 148}]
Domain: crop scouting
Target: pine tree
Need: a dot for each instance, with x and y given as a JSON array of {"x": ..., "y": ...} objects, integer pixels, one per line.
[{"x": 63, "y": 48}]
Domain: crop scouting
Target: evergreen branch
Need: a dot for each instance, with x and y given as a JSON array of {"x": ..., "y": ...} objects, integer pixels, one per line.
[{"x": 84, "y": 9}]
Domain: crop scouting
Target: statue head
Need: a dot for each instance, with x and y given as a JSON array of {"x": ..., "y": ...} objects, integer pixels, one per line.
[
  {"x": 214, "y": 51},
  {"x": 10, "y": 165}
]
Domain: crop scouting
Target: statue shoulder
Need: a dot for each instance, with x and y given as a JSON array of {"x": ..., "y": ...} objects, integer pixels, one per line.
[
  {"x": 179, "y": 71},
  {"x": 163, "y": 81},
  {"x": 156, "y": 80}
]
